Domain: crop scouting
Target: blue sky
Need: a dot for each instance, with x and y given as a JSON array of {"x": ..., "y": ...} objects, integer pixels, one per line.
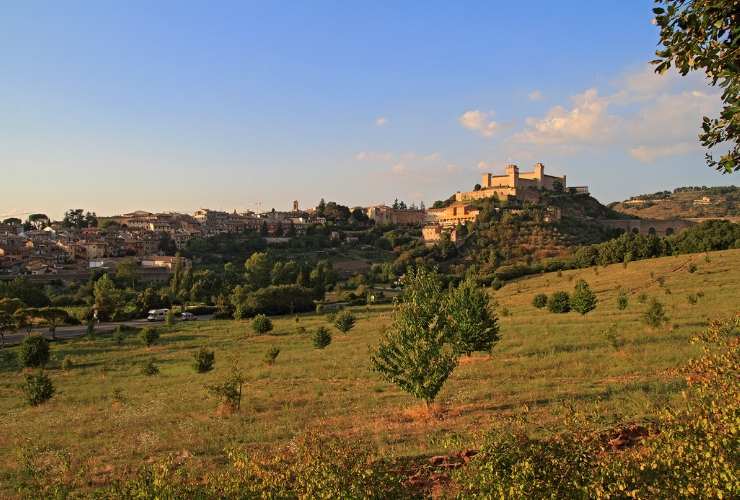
[{"x": 114, "y": 106}]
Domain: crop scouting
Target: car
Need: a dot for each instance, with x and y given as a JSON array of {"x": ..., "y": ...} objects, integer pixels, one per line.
[{"x": 186, "y": 316}]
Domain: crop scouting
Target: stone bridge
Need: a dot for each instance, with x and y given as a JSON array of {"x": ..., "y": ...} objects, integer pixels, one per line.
[{"x": 646, "y": 226}]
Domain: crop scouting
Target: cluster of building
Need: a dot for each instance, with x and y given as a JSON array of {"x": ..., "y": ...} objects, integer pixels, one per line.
[{"x": 58, "y": 250}]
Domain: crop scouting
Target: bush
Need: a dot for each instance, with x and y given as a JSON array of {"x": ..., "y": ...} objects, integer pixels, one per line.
[
  {"x": 622, "y": 300},
  {"x": 642, "y": 298},
  {"x": 34, "y": 351},
  {"x": 149, "y": 336},
  {"x": 539, "y": 301},
  {"x": 204, "y": 360},
  {"x": 271, "y": 355},
  {"x": 38, "y": 388},
  {"x": 558, "y": 302},
  {"x": 279, "y": 299},
  {"x": 67, "y": 363},
  {"x": 169, "y": 318},
  {"x": 150, "y": 368},
  {"x": 692, "y": 268},
  {"x": 583, "y": 299},
  {"x": 261, "y": 324},
  {"x": 692, "y": 299},
  {"x": 90, "y": 329},
  {"x": 344, "y": 321},
  {"x": 655, "y": 315},
  {"x": 321, "y": 338}
]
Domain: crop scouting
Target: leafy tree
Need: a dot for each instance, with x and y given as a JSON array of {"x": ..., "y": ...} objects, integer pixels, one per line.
[
  {"x": 53, "y": 317},
  {"x": 558, "y": 302},
  {"x": 166, "y": 244},
  {"x": 204, "y": 360},
  {"x": 583, "y": 299},
  {"x": 12, "y": 221},
  {"x": 77, "y": 218},
  {"x": 414, "y": 353},
  {"x": 257, "y": 269},
  {"x": 622, "y": 300},
  {"x": 24, "y": 320},
  {"x": 148, "y": 336},
  {"x": 655, "y": 314},
  {"x": 539, "y": 301},
  {"x": 344, "y": 321},
  {"x": 230, "y": 390},
  {"x": 37, "y": 388},
  {"x": 6, "y": 325},
  {"x": 169, "y": 318},
  {"x": 703, "y": 35},
  {"x": 38, "y": 221},
  {"x": 321, "y": 338},
  {"x": 261, "y": 324},
  {"x": 126, "y": 271},
  {"x": 34, "y": 351},
  {"x": 472, "y": 326},
  {"x": 108, "y": 298},
  {"x": 271, "y": 355}
]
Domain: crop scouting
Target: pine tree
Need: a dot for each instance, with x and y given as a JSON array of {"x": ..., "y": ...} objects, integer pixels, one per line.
[
  {"x": 583, "y": 299},
  {"x": 415, "y": 352},
  {"x": 472, "y": 327}
]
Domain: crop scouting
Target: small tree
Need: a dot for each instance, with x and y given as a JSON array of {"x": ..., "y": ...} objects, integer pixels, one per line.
[
  {"x": 90, "y": 329},
  {"x": 539, "y": 301},
  {"x": 692, "y": 268},
  {"x": 622, "y": 300},
  {"x": 344, "y": 321},
  {"x": 37, "y": 388},
  {"x": 558, "y": 302},
  {"x": 271, "y": 355},
  {"x": 321, "y": 338},
  {"x": 118, "y": 335},
  {"x": 231, "y": 389},
  {"x": 169, "y": 318},
  {"x": 471, "y": 325},
  {"x": 415, "y": 352},
  {"x": 261, "y": 324},
  {"x": 34, "y": 351},
  {"x": 204, "y": 360},
  {"x": 149, "y": 336},
  {"x": 53, "y": 317},
  {"x": 655, "y": 315},
  {"x": 583, "y": 299}
]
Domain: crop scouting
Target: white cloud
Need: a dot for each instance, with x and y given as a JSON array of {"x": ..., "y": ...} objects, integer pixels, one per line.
[
  {"x": 586, "y": 121},
  {"x": 535, "y": 95},
  {"x": 373, "y": 156},
  {"x": 479, "y": 121},
  {"x": 381, "y": 120},
  {"x": 648, "y": 154}
]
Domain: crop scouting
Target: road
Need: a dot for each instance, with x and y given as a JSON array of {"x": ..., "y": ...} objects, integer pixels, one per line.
[{"x": 70, "y": 332}]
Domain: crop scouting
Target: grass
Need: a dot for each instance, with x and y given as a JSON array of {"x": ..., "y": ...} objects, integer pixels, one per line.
[{"x": 108, "y": 419}]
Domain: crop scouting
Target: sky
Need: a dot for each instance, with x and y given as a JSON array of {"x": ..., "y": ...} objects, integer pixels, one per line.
[{"x": 172, "y": 106}]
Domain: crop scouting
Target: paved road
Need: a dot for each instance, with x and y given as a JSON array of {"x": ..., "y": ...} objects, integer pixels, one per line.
[{"x": 69, "y": 332}]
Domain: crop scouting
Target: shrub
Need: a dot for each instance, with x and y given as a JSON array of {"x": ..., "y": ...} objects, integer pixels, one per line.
[
  {"x": 642, "y": 298},
  {"x": 691, "y": 298},
  {"x": 203, "y": 360},
  {"x": 613, "y": 338},
  {"x": 655, "y": 315},
  {"x": 583, "y": 299},
  {"x": 34, "y": 351},
  {"x": 344, "y": 321},
  {"x": 505, "y": 312},
  {"x": 321, "y": 338},
  {"x": 118, "y": 336},
  {"x": 261, "y": 324},
  {"x": 558, "y": 302},
  {"x": 692, "y": 268},
  {"x": 539, "y": 301},
  {"x": 90, "y": 329},
  {"x": 622, "y": 300},
  {"x": 271, "y": 355},
  {"x": 230, "y": 390},
  {"x": 169, "y": 318},
  {"x": 67, "y": 363},
  {"x": 301, "y": 330},
  {"x": 149, "y": 336},
  {"x": 150, "y": 368},
  {"x": 38, "y": 388}
]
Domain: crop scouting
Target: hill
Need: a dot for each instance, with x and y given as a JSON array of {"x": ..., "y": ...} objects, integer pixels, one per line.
[
  {"x": 684, "y": 203},
  {"x": 108, "y": 419}
]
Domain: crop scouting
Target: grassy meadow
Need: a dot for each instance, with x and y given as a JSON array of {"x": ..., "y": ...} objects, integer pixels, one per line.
[{"x": 108, "y": 418}]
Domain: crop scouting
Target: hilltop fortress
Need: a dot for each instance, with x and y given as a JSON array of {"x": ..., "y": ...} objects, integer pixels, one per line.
[{"x": 520, "y": 185}]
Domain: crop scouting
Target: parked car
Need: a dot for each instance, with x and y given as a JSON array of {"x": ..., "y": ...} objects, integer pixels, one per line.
[
  {"x": 186, "y": 316},
  {"x": 157, "y": 315}
]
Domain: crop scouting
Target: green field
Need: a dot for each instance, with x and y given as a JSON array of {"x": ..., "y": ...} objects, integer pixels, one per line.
[{"x": 108, "y": 419}]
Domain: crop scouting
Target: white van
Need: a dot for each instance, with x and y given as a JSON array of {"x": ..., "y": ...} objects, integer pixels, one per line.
[{"x": 157, "y": 314}]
